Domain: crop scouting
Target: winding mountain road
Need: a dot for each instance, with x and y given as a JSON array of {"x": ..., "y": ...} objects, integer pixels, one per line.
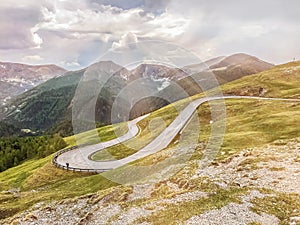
[{"x": 80, "y": 158}]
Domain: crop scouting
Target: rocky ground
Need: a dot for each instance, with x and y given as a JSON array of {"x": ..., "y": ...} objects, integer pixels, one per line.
[
  {"x": 275, "y": 167},
  {"x": 265, "y": 172}
]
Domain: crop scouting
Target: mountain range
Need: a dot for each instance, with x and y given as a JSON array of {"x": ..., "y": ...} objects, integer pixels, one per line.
[
  {"x": 48, "y": 106},
  {"x": 16, "y": 78}
]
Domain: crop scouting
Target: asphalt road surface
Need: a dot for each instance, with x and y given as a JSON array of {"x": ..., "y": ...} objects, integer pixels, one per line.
[{"x": 80, "y": 158}]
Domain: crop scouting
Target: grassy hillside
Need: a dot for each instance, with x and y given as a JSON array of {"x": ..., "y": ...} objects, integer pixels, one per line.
[
  {"x": 48, "y": 107},
  {"x": 250, "y": 123},
  {"x": 44, "y": 105},
  {"x": 281, "y": 81}
]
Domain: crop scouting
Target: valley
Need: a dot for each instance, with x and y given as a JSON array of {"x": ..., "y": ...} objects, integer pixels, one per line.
[{"x": 254, "y": 174}]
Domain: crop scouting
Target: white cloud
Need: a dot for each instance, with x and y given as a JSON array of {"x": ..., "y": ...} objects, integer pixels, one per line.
[
  {"x": 111, "y": 23},
  {"x": 37, "y": 40},
  {"x": 268, "y": 29},
  {"x": 32, "y": 58},
  {"x": 253, "y": 30},
  {"x": 166, "y": 26},
  {"x": 125, "y": 40},
  {"x": 71, "y": 64},
  {"x": 62, "y": 31}
]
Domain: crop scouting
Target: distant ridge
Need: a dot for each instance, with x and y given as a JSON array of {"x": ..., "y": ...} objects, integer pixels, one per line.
[
  {"x": 48, "y": 107},
  {"x": 16, "y": 78},
  {"x": 224, "y": 69}
]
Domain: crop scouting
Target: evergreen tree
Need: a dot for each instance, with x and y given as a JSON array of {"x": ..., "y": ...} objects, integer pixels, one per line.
[{"x": 14, "y": 150}]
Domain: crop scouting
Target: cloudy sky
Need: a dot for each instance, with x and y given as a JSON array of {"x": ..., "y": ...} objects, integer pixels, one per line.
[{"x": 74, "y": 33}]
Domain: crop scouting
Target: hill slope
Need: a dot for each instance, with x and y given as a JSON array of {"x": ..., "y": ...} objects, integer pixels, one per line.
[
  {"x": 203, "y": 77},
  {"x": 48, "y": 104},
  {"x": 281, "y": 81},
  {"x": 225, "y": 69}
]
